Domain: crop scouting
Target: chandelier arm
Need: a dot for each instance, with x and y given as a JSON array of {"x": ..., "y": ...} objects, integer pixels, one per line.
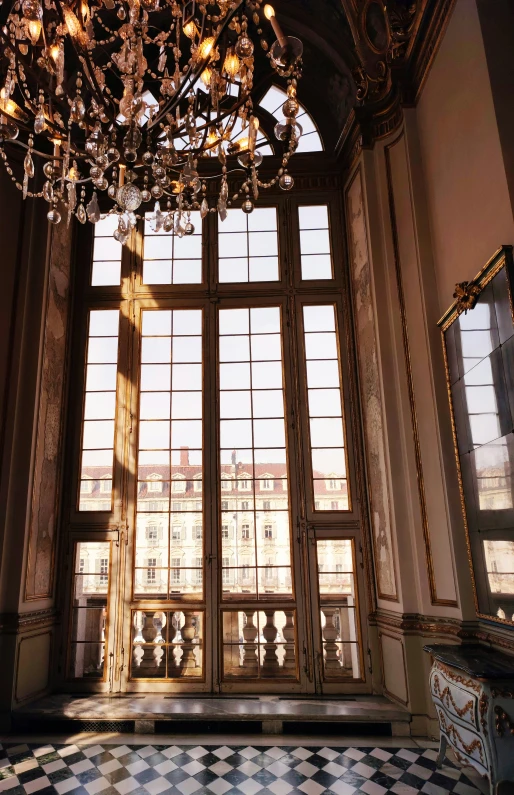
[{"x": 191, "y": 80}]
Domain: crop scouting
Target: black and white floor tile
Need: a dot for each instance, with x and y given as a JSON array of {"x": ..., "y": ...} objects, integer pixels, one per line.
[{"x": 59, "y": 769}]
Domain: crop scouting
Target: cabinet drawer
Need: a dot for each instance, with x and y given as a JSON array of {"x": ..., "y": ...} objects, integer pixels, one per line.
[
  {"x": 457, "y": 701},
  {"x": 465, "y": 741}
]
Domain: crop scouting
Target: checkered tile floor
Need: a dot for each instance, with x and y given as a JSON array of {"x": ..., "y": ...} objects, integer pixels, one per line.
[{"x": 215, "y": 770}]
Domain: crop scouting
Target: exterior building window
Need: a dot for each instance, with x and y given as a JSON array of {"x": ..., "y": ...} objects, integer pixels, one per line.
[
  {"x": 81, "y": 566},
  {"x": 154, "y": 506},
  {"x": 86, "y": 486},
  {"x": 150, "y": 572},
  {"x": 245, "y": 505},
  {"x": 198, "y": 506},
  {"x": 154, "y": 485},
  {"x": 224, "y": 531},
  {"x": 177, "y": 506},
  {"x": 266, "y": 505},
  {"x": 339, "y": 568},
  {"x": 316, "y": 505},
  {"x": 266, "y": 485},
  {"x": 226, "y": 571},
  {"x": 268, "y": 573},
  {"x": 244, "y": 485},
  {"x": 226, "y": 485},
  {"x": 104, "y": 571},
  {"x": 334, "y": 505},
  {"x": 197, "y": 484},
  {"x": 246, "y": 571},
  {"x": 224, "y": 505},
  {"x": 179, "y": 485},
  {"x": 245, "y": 531},
  {"x": 268, "y": 531},
  {"x": 176, "y": 533},
  {"x": 197, "y": 532},
  {"x": 152, "y": 533},
  {"x": 175, "y": 571},
  {"x": 199, "y": 573}
]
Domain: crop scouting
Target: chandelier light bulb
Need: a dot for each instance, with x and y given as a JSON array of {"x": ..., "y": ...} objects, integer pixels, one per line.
[
  {"x": 190, "y": 30},
  {"x": 269, "y": 11},
  {"x": 205, "y": 48},
  {"x": 54, "y": 51},
  {"x": 206, "y": 77},
  {"x": 75, "y": 28},
  {"x": 231, "y": 65},
  {"x": 34, "y": 28}
]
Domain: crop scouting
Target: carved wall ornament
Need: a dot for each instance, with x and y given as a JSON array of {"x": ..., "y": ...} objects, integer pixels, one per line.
[
  {"x": 466, "y": 295},
  {"x": 502, "y": 721},
  {"x": 402, "y": 15}
]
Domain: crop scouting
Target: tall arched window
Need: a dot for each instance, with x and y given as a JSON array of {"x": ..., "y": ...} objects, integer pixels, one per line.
[{"x": 213, "y": 392}]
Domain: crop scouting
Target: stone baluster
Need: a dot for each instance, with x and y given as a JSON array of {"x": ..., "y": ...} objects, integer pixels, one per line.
[
  {"x": 188, "y": 664},
  {"x": 270, "y": 665},
  {"x": 289, "y": 664},
  {"x": 148, "y": 666},
  {"x": 250, "y": 647},
  {"x": 159, "y": 622},
  {"x": 331, "y": 660},
  {"x": 346, "y": 662},
  {"x": 173, "y": 669}
]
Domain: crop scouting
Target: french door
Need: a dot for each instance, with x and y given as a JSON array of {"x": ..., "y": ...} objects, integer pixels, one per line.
[{"x": 215, "y": 542}]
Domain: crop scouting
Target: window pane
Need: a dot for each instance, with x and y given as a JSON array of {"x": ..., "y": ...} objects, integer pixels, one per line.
[
  {"x": 90, "y": 590},
  {"x": 248, "y": 246},
  {"x": 106, "y": 268},
  {"x": 170, "y": 259},
  {"x": 169, "y": 538},
  {"x": 255, "y": 522},
  {"x": 326, "y": 442},
  {"x": 258, "y": 644},
  {"x": 97, "y": 445},
  {"x": 315, "y": 242},
  {"x": 339, "y": 617}
]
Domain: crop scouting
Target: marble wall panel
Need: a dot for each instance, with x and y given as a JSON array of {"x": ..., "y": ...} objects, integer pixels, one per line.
[
  {"x": 371, "y": 395},
  {"x": 43, "y": 515}
]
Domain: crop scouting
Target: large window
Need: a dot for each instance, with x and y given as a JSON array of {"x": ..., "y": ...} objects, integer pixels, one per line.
[{"x": 214, "y": 439}]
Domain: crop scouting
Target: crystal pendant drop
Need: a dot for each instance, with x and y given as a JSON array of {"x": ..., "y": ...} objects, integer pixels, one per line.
[
  {"x": 204, "y": 209},
  {"x": 81, "y": 213},
  {"x": 168, "y": 223},
  {"x": 39, "y": 123},
  {"x": 93, "y": 210},
  {"x": 222, "y": 209},
  {"x": 28, "y": 165},
  {"x": 54, "y": 216},
  {"x": 48, "y": 192},
  {"x": 72, "y": 199}
]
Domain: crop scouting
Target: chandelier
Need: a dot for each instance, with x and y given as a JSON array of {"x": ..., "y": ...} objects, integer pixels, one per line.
[{"x": 128, "y": 97}]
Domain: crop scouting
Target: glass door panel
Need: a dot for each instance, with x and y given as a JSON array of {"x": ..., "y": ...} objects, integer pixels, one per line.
[{"x": 167, "y": 643}]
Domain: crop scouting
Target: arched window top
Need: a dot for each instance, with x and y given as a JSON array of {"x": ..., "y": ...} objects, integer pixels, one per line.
[{"x": 310, "y": 141}]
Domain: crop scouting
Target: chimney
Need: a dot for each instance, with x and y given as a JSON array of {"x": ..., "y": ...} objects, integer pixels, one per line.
[{"x": 184, "y": 456}]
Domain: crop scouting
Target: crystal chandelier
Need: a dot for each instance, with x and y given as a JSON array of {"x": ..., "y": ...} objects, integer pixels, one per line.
[{"x": 128, "y": 97}]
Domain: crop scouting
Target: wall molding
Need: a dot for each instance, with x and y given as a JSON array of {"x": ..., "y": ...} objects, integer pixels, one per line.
[
  {"x": 417, "y": 624},
  {"x": 17, "y": 623}
]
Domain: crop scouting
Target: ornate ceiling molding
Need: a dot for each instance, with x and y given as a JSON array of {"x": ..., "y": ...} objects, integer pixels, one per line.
[{"x": 395, "y": 43}]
